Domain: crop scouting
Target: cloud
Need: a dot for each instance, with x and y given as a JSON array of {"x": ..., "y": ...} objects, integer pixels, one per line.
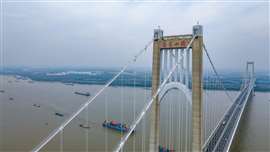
[{"x": 108, "y": 34}]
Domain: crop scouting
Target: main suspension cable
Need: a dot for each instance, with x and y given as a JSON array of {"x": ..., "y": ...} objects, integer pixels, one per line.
[
  {"x": 216, "y": 73},
  {"x": 90, "y": 100}
]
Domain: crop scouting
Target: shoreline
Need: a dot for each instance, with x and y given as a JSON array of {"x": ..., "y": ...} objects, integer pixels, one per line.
[{"x": 137, "y": 85}]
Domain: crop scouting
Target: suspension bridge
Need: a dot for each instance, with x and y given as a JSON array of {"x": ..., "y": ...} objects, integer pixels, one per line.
[{"x": 177, "y": 63}]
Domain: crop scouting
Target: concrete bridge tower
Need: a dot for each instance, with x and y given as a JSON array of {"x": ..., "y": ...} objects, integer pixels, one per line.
[
  {"x": 250, "y": 73},
  {"x": 155, "y": 109},
  {"x": 197, "y": 89},
  {"x": 174, "y": 46}
]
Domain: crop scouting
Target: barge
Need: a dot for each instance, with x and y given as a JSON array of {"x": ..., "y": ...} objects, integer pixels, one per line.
[
  {"x": 59, "y": 114},
  {"x": 84, "y": 126},
  {"x": 82, "y": 93}
]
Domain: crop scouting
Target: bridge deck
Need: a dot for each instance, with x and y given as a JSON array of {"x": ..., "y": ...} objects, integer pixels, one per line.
[{"x": 221, "y": 138}]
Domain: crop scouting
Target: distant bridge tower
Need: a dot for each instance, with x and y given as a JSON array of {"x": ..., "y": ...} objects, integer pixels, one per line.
[
  {"x": 167, "y": 50},
  {"x": 250, "y": 73},
  {"x": 250, "y": 70}
]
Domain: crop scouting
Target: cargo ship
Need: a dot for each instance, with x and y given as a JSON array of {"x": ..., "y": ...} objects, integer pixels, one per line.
[
  {"x": 82, "y": 93},
  {"x": 116, "y": 126}
]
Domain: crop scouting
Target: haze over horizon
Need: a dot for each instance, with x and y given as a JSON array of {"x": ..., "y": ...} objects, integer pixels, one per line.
[{"x": 63, "y": 34}]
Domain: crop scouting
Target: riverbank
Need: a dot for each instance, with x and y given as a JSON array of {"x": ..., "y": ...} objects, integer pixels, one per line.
[{"x": 130, "y": 78}]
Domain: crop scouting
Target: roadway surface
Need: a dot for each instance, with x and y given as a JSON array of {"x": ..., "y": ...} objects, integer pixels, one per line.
[{"x": 222, "y": 136}]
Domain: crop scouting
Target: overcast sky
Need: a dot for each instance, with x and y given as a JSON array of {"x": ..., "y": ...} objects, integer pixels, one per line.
[{"x": 108, "y": 34}]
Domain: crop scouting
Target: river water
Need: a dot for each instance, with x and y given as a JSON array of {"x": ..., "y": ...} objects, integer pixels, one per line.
[{"x": 27, "y": 115}]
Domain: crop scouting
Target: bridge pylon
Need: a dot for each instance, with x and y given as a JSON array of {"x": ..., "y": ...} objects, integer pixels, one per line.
[
  {"x": 250, "y": 73},
  {"x": 155, "y": 108},
  {"x": 197, "y": 89},
  {"x": 168, "y": 50}
]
